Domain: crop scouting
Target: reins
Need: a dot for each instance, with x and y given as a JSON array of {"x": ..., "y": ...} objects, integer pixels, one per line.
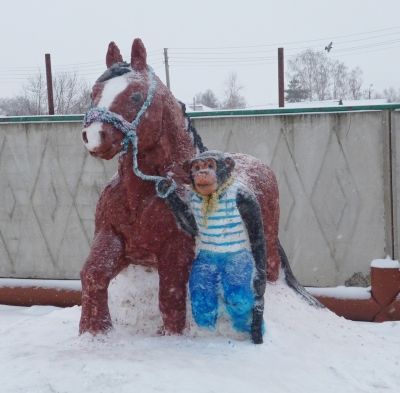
[{"x": 129, "y": 130}]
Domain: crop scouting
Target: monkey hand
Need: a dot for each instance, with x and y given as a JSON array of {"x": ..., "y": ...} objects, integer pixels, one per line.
[
  {"x": 165, "y": 187},
  {"x": 257, "y": 323}
]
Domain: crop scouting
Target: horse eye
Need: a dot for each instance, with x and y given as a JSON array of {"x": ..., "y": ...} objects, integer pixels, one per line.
[{"x": 136, "y": 97}]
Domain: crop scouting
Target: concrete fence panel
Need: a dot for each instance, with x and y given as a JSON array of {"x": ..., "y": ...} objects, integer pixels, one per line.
[
  {"x": 49, "y": 190},
  {"x": 330, "y": 169},
  {"x": 337, "y": 175}
]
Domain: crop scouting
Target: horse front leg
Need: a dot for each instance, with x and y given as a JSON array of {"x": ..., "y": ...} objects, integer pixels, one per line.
[
  {"x": 173, "y": 273},
  {"x": 105, "y": 261}
]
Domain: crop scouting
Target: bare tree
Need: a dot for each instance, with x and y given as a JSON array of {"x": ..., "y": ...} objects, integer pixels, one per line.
[
  {"x": 324, "y": 78},
  {"x": 16, "y": 106},
  {"x": 312, "y": 70},
  {"x": 208, "y": 98},
  {"x": 391, "y": 94},
  {"x": 233, "y": 98},
  {"x": 71, "y": 95},
  {"x": 34, "y": 91},
  {"x": 340, "y": 87},
  {"x": 355, "y": 83}
]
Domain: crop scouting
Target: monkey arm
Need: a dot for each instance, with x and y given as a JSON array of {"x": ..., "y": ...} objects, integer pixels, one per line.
[
  {"x": 183, "y": 213},
  {"x": 251, "y": 214}
]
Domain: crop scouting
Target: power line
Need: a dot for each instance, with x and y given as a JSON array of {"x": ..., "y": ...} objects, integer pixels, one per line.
[{"x": 276, "y": 44}]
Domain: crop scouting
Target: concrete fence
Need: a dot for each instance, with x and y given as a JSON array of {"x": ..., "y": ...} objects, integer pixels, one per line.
[{"x": 338, "y": 174}]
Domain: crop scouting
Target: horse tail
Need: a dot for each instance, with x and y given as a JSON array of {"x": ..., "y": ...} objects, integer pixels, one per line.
[
  {"x": 292, "y": 282},
  {"x": 197, "y": 141}
]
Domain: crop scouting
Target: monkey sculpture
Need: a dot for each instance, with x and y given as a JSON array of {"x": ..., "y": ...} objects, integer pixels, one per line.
[{"x": 225, "y": 217}]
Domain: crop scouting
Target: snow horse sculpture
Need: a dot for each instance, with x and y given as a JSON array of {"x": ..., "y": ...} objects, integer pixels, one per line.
[{"x": 133, "y": 113}]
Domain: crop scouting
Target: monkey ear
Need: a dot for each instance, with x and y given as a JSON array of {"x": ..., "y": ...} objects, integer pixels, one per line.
[
  {"x": 230, "y": 164},
  {"x": 187, "y": 165}
]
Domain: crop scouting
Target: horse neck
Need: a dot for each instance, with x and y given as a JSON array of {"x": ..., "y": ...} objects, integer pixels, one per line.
[
  {"x": 176, "y": 143},
  {"x": 134, "y": 186}
]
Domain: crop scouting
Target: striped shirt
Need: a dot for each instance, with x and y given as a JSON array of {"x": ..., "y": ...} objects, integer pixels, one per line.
[{"x": 223, "y": 230}]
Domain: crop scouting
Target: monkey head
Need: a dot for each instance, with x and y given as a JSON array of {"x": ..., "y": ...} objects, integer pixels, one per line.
[{"x": 209, "y": 170}]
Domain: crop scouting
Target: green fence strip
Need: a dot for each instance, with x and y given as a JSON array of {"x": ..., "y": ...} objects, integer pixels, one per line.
[
  {"x": 225, "y": 113},
  {"x": 41, "y": 119},
  {"x": 288, "y": 111}
]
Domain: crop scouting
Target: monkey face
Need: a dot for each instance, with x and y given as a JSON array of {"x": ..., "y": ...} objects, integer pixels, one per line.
[{"x": 204, "y": 175}]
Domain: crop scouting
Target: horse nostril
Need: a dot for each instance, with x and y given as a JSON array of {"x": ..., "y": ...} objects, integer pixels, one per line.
[
  {"x": 102, "y": 135},
  {"x": 84, "y": 137}
]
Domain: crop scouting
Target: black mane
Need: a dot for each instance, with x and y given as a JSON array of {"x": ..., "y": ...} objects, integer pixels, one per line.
[
  {"x": 115, "y": 70},
  {"x": 191, "y": 128}
]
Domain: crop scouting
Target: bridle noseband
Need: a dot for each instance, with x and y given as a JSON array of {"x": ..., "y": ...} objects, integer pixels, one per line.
[{"x": 129, "y": 130}]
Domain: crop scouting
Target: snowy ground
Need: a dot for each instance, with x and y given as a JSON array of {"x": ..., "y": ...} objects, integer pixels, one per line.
[{"x": 305, "y": 351}]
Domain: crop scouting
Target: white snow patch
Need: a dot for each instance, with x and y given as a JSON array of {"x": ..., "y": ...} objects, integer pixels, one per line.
[
  {"x": 93, "y": 135},
  {"x": 342, "y": 292},
  {"x": 133, "y": 303},
  {"x": 112, "y": 88},
  {"x": 74, "y": 285},
  {"x": 387, "y": 263},
  {"x": 306, "y": 350},
  {"x": 133, "y": 300}
]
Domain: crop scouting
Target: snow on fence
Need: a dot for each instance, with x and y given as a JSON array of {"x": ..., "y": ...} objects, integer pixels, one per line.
[{"x": 338, "y": 173}]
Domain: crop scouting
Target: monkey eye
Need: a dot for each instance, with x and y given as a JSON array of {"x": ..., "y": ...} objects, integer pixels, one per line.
[
  {"x": 196, "y": 168},
  {"x": 210, "y": 166},
  {"x": 136, "y": 97}
]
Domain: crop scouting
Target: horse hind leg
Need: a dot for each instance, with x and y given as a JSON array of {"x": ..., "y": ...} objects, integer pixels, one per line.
[{"x": 105, "y": 261}]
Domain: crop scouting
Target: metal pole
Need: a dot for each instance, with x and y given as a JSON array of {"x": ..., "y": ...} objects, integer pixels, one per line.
[
  {"x": 166, "y": 68},
  {"x": 281, "y": 78},
  {"x": 49, "y": 80}
]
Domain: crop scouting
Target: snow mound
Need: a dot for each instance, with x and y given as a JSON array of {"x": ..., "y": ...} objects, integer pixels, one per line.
[
  {"x": 133, "y": 303},
  {"x": 387, "y": 263},
  {"x": 342, "y": 292},
  {"x": 306, "y": 350}
]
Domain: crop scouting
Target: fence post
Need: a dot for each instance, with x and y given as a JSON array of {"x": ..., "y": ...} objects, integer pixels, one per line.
[
  {"x": 388, "y": 191},
  {"x": 394, "y": 140}
]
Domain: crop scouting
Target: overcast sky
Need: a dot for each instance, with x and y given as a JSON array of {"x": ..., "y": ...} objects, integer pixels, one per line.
[{"x": 236, "y": 36}]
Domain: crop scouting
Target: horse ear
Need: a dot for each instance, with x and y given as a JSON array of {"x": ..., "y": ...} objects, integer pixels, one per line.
[
  {"x": 138, "y": 55},
  {"x": 113, "y": 54}
]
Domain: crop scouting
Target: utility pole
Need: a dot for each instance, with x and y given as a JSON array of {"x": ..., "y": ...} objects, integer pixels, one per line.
[
  {"x": 49, "y": 80},
  {"x": 166, "y": 68},
  {"x": 281, "y": 78}
]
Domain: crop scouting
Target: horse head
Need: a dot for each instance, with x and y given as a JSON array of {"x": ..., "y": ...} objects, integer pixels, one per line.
[{"x": 121, "y": 94}]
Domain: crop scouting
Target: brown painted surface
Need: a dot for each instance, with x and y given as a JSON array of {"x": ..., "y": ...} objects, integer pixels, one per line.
[
  {"x": 385, "y": 284},
  {"x": 384, "y": 304},
  {"x": 390, "y": 313},
  {"x": 133, "y": 225},
  {"x": 37, "y": 296},
  {"x": 354, "y": 309}
]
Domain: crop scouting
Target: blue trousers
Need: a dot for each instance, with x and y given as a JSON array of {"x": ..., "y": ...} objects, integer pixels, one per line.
[{"x": 229, "y": 273}]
